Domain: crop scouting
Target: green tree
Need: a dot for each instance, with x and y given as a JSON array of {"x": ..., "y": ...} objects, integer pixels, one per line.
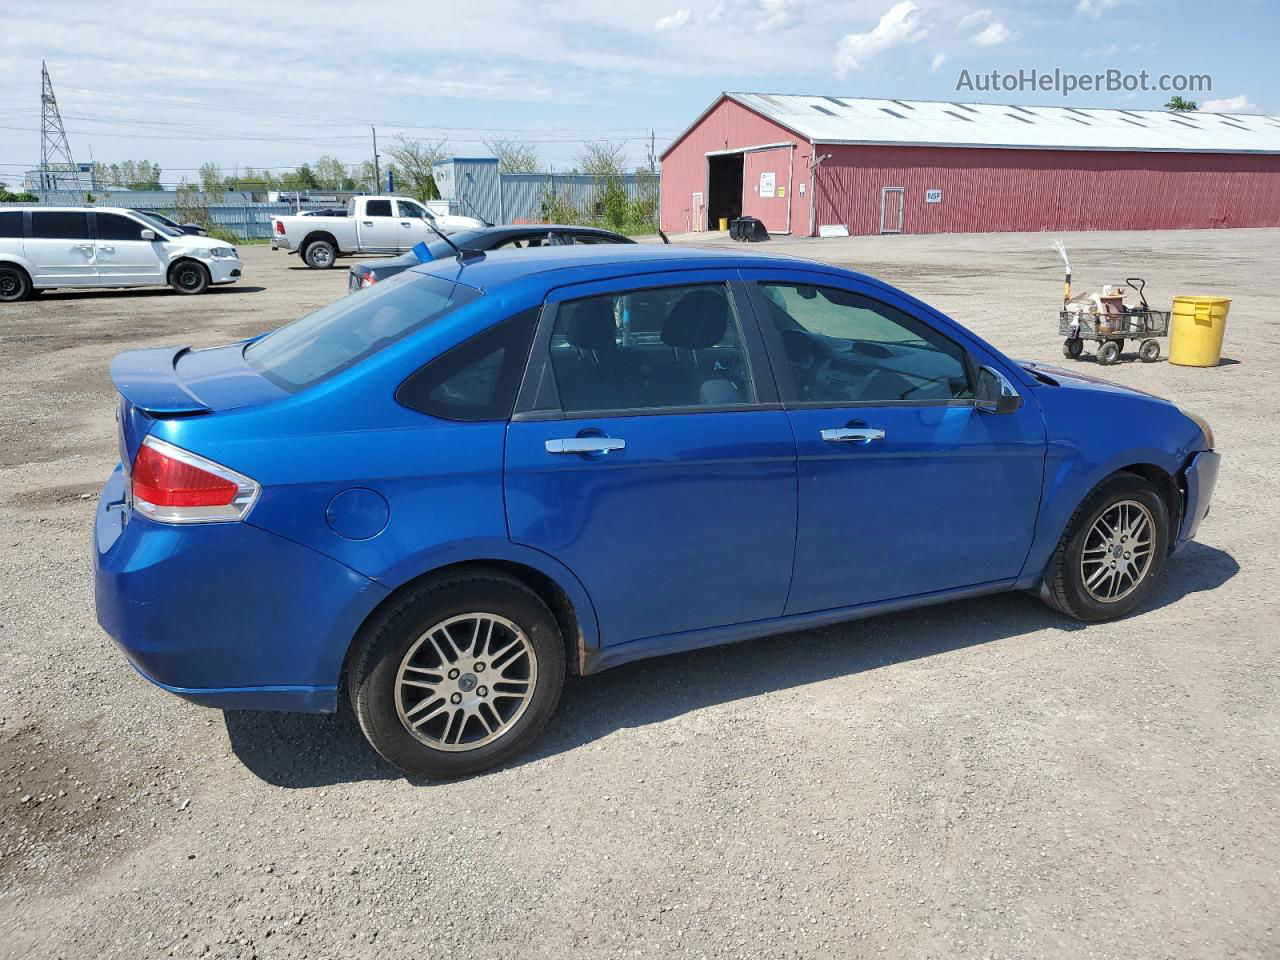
[
  {"x": 414, "y": 162},
  {"x": 1181, "y": 104},
  {"x": 331, "y": 173},
  {"x": 513, "y": 156},
  {"x": 211, "y": 182}
]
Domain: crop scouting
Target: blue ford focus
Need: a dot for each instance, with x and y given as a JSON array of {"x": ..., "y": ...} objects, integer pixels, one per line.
[{"x": 445, "y": 492}]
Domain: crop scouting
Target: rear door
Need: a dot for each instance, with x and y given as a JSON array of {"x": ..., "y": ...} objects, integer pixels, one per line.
[
  {"x": 378, "y": 228},
  {"x": 60, "y": 248},
  {"x": 766, "y": 187},
  {"x": 123, "y": 257},
  {"x": 906, "y": 488},
  {"x": 661, "y": 470}
]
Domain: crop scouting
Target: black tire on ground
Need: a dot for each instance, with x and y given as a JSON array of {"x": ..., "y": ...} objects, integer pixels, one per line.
[
  {"x": 390, "y": 641},
  {"x": 319, "y": 254},
  {"x": 1064, "y": 587},
  {"x": 1149, "y": 352},
  {"x": 1072, "y": 348},
  {"x": 1109, "y": 353},
  {"x": 15, "y": 285},
  {"x": 189, "y": 277}
]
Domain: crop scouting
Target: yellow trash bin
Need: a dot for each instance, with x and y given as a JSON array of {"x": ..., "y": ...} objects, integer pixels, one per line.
[
  {"x": 1195, "y": 339},
  {"x": 724, "y": 223}
]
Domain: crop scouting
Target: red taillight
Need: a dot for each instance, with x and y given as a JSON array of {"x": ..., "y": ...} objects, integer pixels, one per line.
[
  {"x": 368, "y": 280},
  {"x": 280, "y": 227},
  {"x": 176, "y": 486},
  {"x": 164, "y": 481}
]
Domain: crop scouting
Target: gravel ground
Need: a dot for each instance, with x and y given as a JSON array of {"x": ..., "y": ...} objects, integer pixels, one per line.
[{"x": 982, "y": 779}]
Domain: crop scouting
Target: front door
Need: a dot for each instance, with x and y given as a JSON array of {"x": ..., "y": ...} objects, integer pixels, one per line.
[
  {"x": 123, "y": 257},
  {"x": 905, "y": 487},
  {"x": 413, "y": 225},
  {"x": 766, "y": 187},
  {"x": 649, "y": 459},
  {"x": 379, "y": 228},
  {"x": 892, "y": 209},
  {"x": 60, "y": 249}
]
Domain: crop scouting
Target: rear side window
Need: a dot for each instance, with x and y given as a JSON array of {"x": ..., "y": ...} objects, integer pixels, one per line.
[
  {"x": 478, "y": 379},
  {"x": 10, "y": 223},
  {"x": 59, "y": 225},
  {"x": 377, "y": 208},
  {"x": 112, "y": 226},
  {"x": 349, "y": 330}
]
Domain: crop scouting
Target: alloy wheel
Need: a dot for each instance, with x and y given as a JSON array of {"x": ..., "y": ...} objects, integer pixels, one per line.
[
  {"x": 466, "y": 681},
  {"x": 1118, "y": 550}
]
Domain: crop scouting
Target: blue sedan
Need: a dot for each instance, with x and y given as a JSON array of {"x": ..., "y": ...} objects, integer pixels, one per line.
[{"x": 443, "y": 494}]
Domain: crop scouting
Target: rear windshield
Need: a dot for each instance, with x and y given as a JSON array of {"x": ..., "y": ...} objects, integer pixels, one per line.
[{"x": 353, "y": 328}]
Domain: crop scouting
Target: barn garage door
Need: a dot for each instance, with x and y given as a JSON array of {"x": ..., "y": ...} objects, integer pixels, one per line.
[{"x": 766, "y": 187}]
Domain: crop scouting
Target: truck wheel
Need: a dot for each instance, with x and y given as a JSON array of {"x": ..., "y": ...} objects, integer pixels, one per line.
[
  {"x": 319, "y": 255},
  {"x": 459, "y": 675},
  {"x": 189, "y": 277},
  {"x": 1109, "y": 353},
  {"x": 15, "y": 285},
  {"x": 1112, "y": 551}
]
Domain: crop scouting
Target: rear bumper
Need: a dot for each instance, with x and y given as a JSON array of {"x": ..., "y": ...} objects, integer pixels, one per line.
[
  {"x": 280, "y": 243},
  {"x": 225, "y": 614},
  {"x": 1200, "y": 477}
]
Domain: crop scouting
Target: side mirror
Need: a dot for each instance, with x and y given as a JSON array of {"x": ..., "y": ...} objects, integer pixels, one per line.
[
  {"x": 147, "y": 235},
  {"x": 995, "y": 393}
]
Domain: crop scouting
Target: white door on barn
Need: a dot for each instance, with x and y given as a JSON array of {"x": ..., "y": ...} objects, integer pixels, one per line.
[{"x": 766, "y": 187}]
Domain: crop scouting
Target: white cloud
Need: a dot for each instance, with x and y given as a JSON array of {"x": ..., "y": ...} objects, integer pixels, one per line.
[
  {"x": 899, "y": 25},
  {"x": 938, "y": 60},
  {"x": 995, "y": 34},
  {"x": 1096, "y": 8},
  {"x": 763, "y": 16},
  {"x": 674, "y": 21},
  {"x": 1240, "y": 104}
]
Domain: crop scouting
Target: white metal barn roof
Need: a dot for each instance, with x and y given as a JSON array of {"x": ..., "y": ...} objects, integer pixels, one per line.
[{"x": 858, "y": 120}]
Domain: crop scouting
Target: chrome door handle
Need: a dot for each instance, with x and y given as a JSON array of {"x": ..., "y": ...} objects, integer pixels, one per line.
[
  {"x": 84, "y": 246},
  {"x": 852, "y": 435},
  {"x": 106, "y": 249},
  {"x": 585, "y": 445}
]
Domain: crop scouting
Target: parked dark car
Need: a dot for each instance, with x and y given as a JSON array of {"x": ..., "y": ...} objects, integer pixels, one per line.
[
  {"x": 324, "y": 212},
  {"x": 506, "y": 237},
  {"x": 192, "y": 228}
]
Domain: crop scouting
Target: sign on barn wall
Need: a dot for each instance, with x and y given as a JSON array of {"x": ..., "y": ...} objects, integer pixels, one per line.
[
  {"x": 768, "y": 181},
  {"x": 933, "y": 196}
]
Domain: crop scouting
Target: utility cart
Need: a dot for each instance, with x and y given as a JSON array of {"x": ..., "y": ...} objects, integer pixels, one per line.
[{"x": 1109, "y": 329}]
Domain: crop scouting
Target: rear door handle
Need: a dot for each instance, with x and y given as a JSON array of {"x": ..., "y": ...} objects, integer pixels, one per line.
[
  {"x": 585, "y": 445},
  {"x": 852, "y": 435},
  {"x": 106, "y": 249}
]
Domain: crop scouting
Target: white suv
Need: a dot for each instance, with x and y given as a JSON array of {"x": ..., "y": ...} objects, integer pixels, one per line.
[{"x": 46, "y": 247}]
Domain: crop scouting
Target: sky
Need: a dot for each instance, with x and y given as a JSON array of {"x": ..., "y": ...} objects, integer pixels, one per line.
[{"x": 273, "y": 85}]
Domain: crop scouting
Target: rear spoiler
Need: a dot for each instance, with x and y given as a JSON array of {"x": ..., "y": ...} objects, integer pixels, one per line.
[{"x": 148, "y": 379}]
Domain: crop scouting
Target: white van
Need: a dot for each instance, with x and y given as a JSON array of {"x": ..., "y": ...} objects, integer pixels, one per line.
[{"x": 46, "y": 247}]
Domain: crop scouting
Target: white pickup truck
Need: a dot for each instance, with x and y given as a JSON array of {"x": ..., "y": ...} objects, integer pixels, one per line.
[{"x": 372, "y": 225}]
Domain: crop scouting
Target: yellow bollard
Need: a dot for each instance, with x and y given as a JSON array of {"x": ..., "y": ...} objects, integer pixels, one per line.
[
  {"x": 724, "y": 223},
  {"x": 1195, "y": 339}
]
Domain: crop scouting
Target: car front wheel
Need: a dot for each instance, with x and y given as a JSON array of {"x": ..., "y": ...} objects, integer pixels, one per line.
[
  {"x": 460, "y": 674},
  {"x": 1112, "y": 552},
  {"x": 189, "y": 277}
]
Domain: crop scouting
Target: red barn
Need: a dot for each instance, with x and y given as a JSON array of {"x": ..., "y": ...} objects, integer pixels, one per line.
[{"x": 912, "y": 166}]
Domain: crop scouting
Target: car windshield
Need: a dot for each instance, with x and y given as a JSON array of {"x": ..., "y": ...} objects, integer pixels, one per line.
[
  {"x": 349, "y": 330},
  {"x": 159, "y": 224}
]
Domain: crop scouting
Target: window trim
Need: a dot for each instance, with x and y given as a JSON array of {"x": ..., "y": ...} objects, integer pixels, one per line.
[
  {"x": 788, "y": 389},
  {"x": 539, "y": 374}
]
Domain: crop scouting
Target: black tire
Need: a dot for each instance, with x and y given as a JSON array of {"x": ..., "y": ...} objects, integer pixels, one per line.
[
  {"x": 1109, "y": 353},
  {"x": 15, "y": 285},
  {"x": 391, "y": 640},
  {"x": 1064, "y": 586},
  {"x": 189, "y": 277},
  {"x": 1149, "y": 352},
  {"x": 1072, "y": 347},
  {"x": 320, "y": 255}
]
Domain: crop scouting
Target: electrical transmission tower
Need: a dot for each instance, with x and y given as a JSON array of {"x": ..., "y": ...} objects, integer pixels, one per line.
[{"x": 58, "y": 171}]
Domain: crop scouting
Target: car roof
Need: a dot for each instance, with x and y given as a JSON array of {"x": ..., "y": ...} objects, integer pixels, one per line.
[{"x": 597, "y": 262}]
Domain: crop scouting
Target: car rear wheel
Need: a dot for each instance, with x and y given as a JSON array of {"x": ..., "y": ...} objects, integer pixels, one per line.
[
  {"x": 319, "y": 255},
  {"x": 1112, "y": 552},
  {"x": 459, "y": 675},
  {"x": 15, "y": 285},
  {"x": 189, "y": 277}
]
